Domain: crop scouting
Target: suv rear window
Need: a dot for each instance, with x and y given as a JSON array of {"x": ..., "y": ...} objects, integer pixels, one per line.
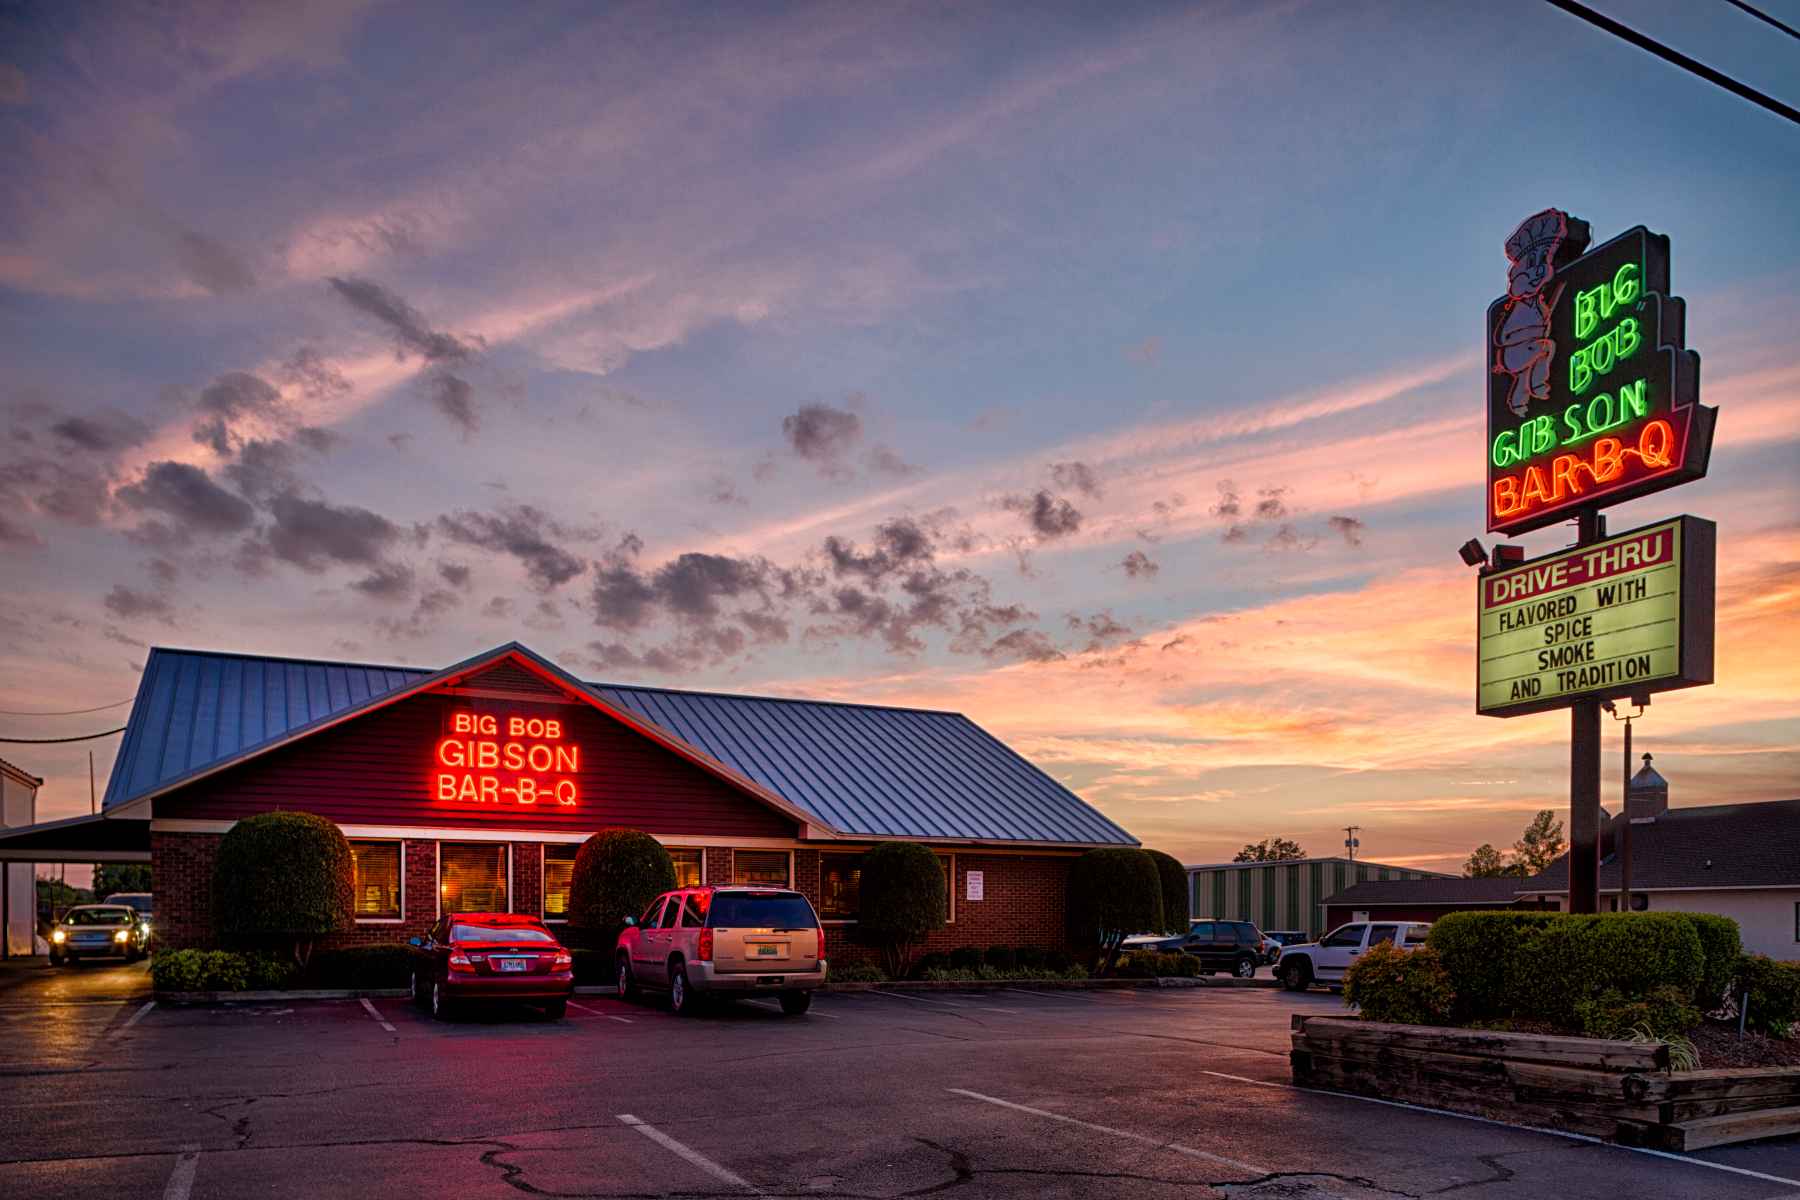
[{"x": 761, "y": 910}]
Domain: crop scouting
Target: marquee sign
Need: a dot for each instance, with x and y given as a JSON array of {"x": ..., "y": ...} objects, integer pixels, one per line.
[
  {"x": 1625, "y": 616},
  {"x": 1592, "y": 393},
  {"x": 490, "y": 759}
]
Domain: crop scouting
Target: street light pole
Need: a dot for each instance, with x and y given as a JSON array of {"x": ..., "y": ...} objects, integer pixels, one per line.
[{"x": 1623, "y": 841}]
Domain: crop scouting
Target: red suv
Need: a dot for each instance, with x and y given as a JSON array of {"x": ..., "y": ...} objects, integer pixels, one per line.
[{"x": 491, "y": 956}]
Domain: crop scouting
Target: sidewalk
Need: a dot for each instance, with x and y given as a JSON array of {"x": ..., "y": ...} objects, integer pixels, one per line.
[{"x": 20, "y": 970}]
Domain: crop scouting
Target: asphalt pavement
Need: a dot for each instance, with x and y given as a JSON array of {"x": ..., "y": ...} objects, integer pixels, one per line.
[{"x": 1015, "y": 1093}]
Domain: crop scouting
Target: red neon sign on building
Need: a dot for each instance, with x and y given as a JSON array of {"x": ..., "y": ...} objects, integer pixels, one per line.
[{"x": 529, "y": 763}]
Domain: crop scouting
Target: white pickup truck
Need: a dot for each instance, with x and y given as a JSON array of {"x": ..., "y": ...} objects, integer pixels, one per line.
[{"x": 1326, "y": 960}]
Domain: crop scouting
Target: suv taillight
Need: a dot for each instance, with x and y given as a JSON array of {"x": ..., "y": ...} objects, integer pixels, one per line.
[
  {"x": 706, "y": 945},
  {"x": 821, "y": 943}
]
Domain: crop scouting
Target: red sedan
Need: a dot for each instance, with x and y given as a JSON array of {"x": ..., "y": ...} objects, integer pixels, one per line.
[{"x": 491, "y": 956}]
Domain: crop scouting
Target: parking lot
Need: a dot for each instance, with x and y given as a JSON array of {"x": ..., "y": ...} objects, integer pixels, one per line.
[{"x": 1019, "y": 1092}]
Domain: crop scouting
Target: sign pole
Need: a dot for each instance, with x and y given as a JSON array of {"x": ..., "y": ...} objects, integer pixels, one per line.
[{"x": 1584, "y": 771}]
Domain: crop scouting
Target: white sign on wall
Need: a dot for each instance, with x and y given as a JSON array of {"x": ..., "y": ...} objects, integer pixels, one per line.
[{"x": 975, "y": 885}]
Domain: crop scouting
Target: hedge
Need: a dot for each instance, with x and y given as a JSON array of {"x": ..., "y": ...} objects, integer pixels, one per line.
[
  {"x": 282, "y": 878},
  {"x": 1150, "y": 964},
  {"x": 1774, "y": 989},
  {"x": 1173, "y": 878},
  {"x": 1722, "y": 945},
  {"x": 1113, "y": 893},
  {"x": 1544, "y": 966},
  {"x": 617, "y": 873},
  {"x": 969, "y": 962},
  {"x": 1407, "y": 987}
]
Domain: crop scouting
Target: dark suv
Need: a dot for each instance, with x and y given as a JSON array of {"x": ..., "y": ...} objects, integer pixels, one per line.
[{"x": 1234, "y": 946}]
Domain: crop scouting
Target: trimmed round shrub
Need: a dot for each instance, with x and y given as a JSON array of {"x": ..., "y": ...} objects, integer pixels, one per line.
[
  {"x": 1113, "y": 893},
  {"x": 1404, "y": 987},
  {"x": 1174, "y": 891},
  {"x": 617, "y": 873},
  {"x": 178, "y": 970},
  {"x": 1721, "y": 944},
  {"x": 282, "y": 879},
  {"x": 902, "y": 899}
]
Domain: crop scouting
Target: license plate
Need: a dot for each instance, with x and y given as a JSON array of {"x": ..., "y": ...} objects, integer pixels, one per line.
[
  {"x": 767, "y": 951},
  {"x": 511, "y": 964}
]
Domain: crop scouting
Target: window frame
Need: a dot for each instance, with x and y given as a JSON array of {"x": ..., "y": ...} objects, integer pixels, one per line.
[
  {"x": 1797, "y": 922},
  {"x": 701, "y": 851},
  {"x": 736, "y": 882},
  {"x": 544, "y": 882},
  {"x": 401, "y": 844},
  {"x": 854, "y": 854},
  {"x": 510, "y": 901}
]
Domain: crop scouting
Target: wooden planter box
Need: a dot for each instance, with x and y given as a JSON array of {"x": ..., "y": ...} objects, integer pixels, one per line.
[{"x": 1621, "y": 1091}]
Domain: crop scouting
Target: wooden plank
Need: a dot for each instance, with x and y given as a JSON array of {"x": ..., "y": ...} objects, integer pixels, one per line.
[
  {"x": 1732, "y": 1081},
  {"x": 1718, "y": 1106},
  {"x": 1736, "y": 1127},
  {"x": 1596, "y": 1053}
]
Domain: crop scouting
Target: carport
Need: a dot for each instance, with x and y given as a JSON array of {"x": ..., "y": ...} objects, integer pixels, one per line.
[{"x": 96, "y": 838}]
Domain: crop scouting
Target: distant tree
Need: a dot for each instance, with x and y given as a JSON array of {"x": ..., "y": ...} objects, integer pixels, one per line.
[
  {"x": 1174, "y": 879},
  {"x": 1488, "y": 863},
  {"x": 902, "y": 899},
  {"x": 120, "y": 877},
  {"x": 1113, "y": 893},
  {"x": 53, "y": 895},
  {"x": 1540, "y": 844},
  {"x": 1271, "y": 849}
]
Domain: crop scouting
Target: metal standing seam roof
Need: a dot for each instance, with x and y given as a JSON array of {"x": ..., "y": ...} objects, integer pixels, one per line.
[{"x": 861, "y": 770}]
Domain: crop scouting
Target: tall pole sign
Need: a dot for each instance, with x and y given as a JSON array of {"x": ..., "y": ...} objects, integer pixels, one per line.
[{"x": 1593, "y": 399}]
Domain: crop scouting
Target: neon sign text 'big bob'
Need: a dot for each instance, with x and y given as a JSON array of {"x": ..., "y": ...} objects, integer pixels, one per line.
[{"x": 528, "y": 764}]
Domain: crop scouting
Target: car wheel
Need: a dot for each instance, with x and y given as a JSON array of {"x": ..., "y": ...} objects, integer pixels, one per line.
[
  {"x": 628, "y": 988},
  {"x": 440, "y": 1003},
  {"x": 1296, "y": 976},
  {"x": 418, "y": 993},
  {"x": 554, "y": 1009},
  {"x": 795, "y": 1003},
  {"x": 1245, "y": 969},
  {"x": 681, "y": 997}
]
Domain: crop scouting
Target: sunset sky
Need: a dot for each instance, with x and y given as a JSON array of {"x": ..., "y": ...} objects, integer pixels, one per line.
[{"x": 1111, "y": 373}]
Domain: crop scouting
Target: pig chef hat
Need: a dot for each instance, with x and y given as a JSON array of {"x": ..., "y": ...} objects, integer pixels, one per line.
[{"x": 1538, "y": 234}]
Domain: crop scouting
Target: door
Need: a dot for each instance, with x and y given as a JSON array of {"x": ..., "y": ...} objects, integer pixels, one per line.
[
  {"x": 649, "y": 963},
  {"x": 1338, "y": 949},
  {"x": 1199, "y": 943}
]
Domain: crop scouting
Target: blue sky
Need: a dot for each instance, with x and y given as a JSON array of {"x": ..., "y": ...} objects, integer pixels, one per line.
[{"x": 1113, "y": 374}]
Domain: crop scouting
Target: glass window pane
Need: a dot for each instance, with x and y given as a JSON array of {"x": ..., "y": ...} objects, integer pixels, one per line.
[
  {"x": 559, "y": 872},
  {"x": 767, "y": 868},
  {"x": 840, "y": 882},
  {"x": 472, "y": 876},
  {"x": 377, "y": 879},
  {"x": 691, "y": 916},
  {"x": 687, "y": 867},
  {"x": 1381, "y": 933}
]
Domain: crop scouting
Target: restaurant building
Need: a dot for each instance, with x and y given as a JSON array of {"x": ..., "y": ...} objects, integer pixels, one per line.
[{"x": 472, "y": 788}]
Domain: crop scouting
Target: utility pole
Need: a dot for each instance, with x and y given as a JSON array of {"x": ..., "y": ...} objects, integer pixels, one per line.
[
  {"x": 1350, "y": 840},
  {"x": 93, "y": 804},
  {"x": 1623, "y": 840}
]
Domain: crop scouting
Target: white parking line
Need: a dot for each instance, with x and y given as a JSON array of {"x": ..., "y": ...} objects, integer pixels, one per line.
[
  {"x": 140, "y": 1014},
  {"x": 1123, "y": 1133},
  {"x": 1561, "y": 1133},
  {"x": 690, "y": 1154},
  {"x": 945, "y": 1003},
  {"x": 181, "y": 1179},
  {"x": 773, "y": 1007},
  {"x": 379, "y": 1019},
  {"x": 584, "y": 1008}
]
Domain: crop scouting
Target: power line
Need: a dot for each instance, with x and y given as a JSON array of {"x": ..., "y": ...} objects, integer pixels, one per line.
[
  {"x": 71, "y": 712},
  {"x": 1763, "y": 16},
  {"x": 1670, "y": 55},
  {"x": 86, "y": 737}
]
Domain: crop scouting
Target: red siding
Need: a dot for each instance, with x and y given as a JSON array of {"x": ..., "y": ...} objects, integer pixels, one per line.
[{"x": 377, "y": 770}]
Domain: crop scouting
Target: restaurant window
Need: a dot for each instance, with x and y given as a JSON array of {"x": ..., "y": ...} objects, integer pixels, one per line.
[
  {"x": 377, "y": 886},
  {"x": 764, "y": 868},
  {"x": 472, "y": 877},
  {"x": 687, "y": 867},
  {"x": 840, "y": 881},
  {"x": 559, "y": 873}
]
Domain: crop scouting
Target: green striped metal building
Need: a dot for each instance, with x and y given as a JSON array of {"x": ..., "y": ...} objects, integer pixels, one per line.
[{"x": 1283, "y": 895}]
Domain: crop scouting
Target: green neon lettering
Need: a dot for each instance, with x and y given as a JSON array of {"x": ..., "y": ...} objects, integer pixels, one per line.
[
  {"x": 1600, "y": 354},
  {"x": 1543, "y": 435},
  {"x": 1633, "y": 401},
  {"x": 1572, "y": 418},
  {"x": 1506, "y": 448},
  {"x": 1625, "y": 284},
  {"x": 1585, "y": 317},
  {"x": 1580, "y": 374},
  {"x": 1627, "y": 338},
  {"x": 1603, "y": 405}
]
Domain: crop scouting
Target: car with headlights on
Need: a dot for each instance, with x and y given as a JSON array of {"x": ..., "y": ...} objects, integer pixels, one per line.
[
  {"x": 99, "y": 931},
  {"x": 486, "y": 956},
  {"x": 725, "y": 942}
]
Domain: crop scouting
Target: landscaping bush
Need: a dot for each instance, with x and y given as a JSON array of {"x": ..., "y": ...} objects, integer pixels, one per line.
[
  {"x": 902, "y": 900},
  {"x": 1665, "y": 1012},
  {"x": 1774, "y": 989},
  {"x": 282, "y": 879},
  {"x": 385, "y": 965},
  {"x": 1149, "y": 964},
  {"x": 994, "y": 975},
  {"x": 1113, "y": 893},
  {"x": 857, "y": 972},
  {"x": 267, "y": 972},
  {"x": 964, "y": 958},
  {"x": 617, "y": 873},
  {"x": 1477, "y": 951},
  {"x": 1721, "y": 945},
  {"x": 1029, "y": 958},
  {"x": 937, "y": 960},
  {"x": 1408, "y": 987},
  {"x": 1058, "y": 962},
  {"x": 200, "y": 971},
  {"x": 1172, "y": 879},
  {"x": 1001, "y": 958}
]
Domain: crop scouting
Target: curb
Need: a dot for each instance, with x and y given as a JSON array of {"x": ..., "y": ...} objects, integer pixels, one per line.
[{"x": 264, "y": 997}]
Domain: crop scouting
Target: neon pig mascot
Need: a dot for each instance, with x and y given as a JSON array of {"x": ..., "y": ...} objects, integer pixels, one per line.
[{"x": 1522, "y": 344}]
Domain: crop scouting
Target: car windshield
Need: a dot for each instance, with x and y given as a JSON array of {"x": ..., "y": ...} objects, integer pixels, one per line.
[
  {"x": 761, "y": 910},
  {"x": 98, "y": 916},
  {"x": 499, "y": 933},
  {"x": 136, "y": 900}
]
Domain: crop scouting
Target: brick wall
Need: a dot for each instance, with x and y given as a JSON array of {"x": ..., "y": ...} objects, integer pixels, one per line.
[
  {"x": 181, "y": 868},
  {"x": 1023, "y": 905}
]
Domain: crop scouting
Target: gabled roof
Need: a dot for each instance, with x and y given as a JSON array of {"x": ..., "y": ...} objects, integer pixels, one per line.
[
  {"x": 1708, "y": 846},
  {"x": 1448, "y": 890},
  {"x": 850, "y": 770}
]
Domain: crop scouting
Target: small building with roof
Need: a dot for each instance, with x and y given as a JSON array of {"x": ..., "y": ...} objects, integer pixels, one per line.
[
  {"x": 1284, "y": 896},
  {"x": 1424, "y": 899},
  {"x": 473, "y": 786}
]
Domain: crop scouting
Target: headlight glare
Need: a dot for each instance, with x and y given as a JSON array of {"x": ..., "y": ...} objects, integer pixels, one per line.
[
  {"x": 124, "y": 935},
  {"x": 58, "y": 936}
]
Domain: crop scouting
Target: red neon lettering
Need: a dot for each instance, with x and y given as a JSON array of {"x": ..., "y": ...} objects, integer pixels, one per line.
[
  {"x": 537, "y": 752},
  {"x": 1506, "y": 496},
  {"x": 462, "y": 722},
  {"x": 1535, "y": 489},
  {"x": 538, "y": 757},
  {"x": 450, "y": 753},
  {"x": 1562, "y": 473},
  {"x": 527, "y": 791},
  {"x": 446, "y": 786},
  {"x": 512, "y": 756},
  {"x": 565, "y": 791},
  {"x": 1654, "y": 443},
  {"x": 568, "y": 758}
]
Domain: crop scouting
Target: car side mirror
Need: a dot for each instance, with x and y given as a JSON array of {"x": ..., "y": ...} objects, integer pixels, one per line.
[
  {"x": 414, "y": 942},
  {"x": 630, "y": 922}
]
